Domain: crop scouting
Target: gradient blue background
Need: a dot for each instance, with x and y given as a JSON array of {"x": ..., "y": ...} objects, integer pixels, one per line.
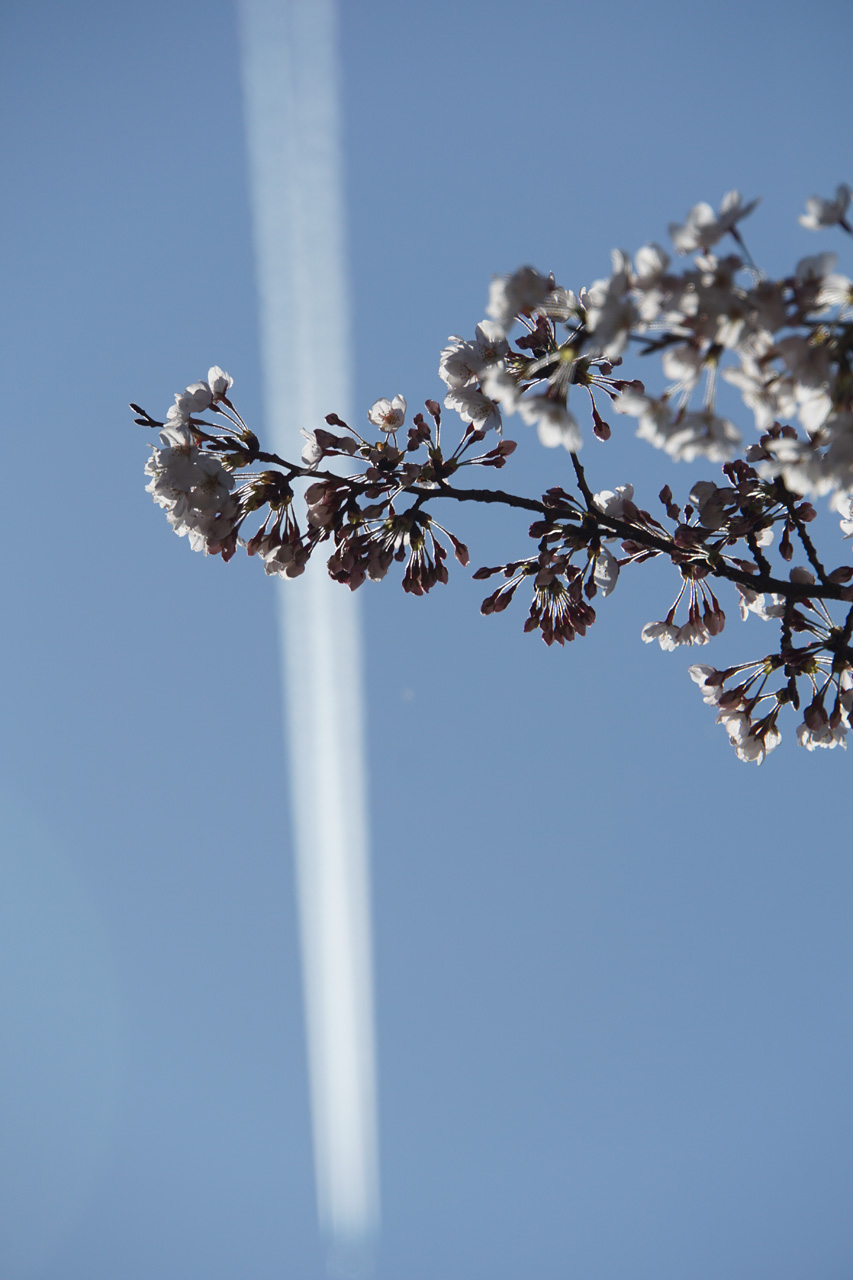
[{"x": 613, "y": 963}]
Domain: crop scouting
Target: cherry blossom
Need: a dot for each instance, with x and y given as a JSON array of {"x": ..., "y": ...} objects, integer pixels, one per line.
[
  {"x": 752, "y": 741},
  {"x": 473, "y": 406},
  {"x": 702, "y": 433},
  {"x": 606, "y": 573},
  {"x": 611, "y": 313},
  {"x": 462, "y": 361},
  {"x": 709, "y": 680},
  {"x": 219, "y": 382},
  {"x": 704, "y": 228},
  {"x": 554, "y": 422},
  {"x": 616, "y": 502},
  {"x": 828, "y": 213},
  {"x": 388, "y": 415},
  {"x": 518, "y": 294}
]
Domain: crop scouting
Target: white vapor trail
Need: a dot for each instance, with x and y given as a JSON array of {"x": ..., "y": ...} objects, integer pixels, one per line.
[{"x": 290, "y": 77}]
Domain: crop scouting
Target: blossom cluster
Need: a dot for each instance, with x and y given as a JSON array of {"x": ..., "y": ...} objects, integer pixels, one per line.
[
  {"x": 368, "y": 497},
  {"x": 191, "y": 484}
]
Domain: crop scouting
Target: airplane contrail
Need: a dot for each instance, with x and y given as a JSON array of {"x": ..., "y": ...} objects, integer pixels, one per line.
[{"x": 290, "y": 77}]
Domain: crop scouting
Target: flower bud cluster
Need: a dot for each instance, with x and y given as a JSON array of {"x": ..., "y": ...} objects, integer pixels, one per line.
[
  {"x": 368, "y": 519},
  {"x": 749, "y": 711}
]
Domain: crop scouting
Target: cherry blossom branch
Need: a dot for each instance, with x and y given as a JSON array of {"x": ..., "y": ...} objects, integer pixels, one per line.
[
  {"x": 716, "y": 567},
  {"x": 786, "y": 345}
]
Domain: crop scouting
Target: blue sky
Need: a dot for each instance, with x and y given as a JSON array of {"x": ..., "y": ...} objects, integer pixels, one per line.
[{"x": 613, "y": 963}]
